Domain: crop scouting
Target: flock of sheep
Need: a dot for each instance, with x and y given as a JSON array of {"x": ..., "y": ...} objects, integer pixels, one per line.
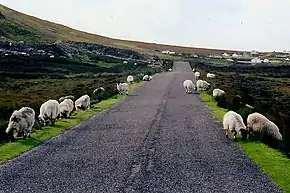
[
  {"x": 22, "y": 121},
  {"x": 232, "y": 121}
]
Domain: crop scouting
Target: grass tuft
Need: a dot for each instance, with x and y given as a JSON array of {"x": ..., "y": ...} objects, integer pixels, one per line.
[{"x": 271, "y": 161}]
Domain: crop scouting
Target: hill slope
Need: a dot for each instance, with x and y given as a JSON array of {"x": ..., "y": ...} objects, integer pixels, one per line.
[{"x": 18, "y": 26}]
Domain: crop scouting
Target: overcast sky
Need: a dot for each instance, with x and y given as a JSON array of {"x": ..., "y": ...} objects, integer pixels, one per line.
[{"x": 262, "y": 25}]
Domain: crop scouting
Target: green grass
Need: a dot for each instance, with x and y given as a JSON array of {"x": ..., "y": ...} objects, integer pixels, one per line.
[
  {"x": 13, "y": 149},
  {"x": 271, "y": 161}
]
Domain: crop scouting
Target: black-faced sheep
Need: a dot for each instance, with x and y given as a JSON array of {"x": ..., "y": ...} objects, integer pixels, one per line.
[
  {"x": 189, "y": 86},
  {"x": 258, "y": 123},
  {"x": 196, "y": 75},
  {"x": 123, "y": 87},
  {"x": 146, "y": 78},
  {"x": 66, "y": 97},
  {"x": 233, "y": 122},
  {"x": 202, "y": 85},
  {"x": 83, "y": 102},
  {"x": 65, "y": 108},
  {"x": 130, "y": 79},
  {"x": 49, "y": 112},
  {"x": 21, "y": 122}
]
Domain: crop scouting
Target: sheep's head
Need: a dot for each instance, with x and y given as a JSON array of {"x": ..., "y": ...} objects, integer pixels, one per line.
[
  {"x": 42, "y": 120},
  {"x": 64, "y": 114},
  {"x": 244, "y": 133}
]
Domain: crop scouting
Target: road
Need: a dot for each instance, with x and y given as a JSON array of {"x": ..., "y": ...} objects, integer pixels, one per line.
[{"x": 156, "y": 140}]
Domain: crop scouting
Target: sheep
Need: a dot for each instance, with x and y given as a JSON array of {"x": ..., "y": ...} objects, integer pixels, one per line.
[
  {"x": 21, "y": 122},
  {"x": 123, "y": 87},
  {"x": 202, "y": 85},
  {"x": 49, "y": 112},
  {"x": 150, "y": 78},
  {"x": 83, "y": 103},
  {"x": 189, "y": 86},
  {"x": 220, "y": 97},
  {"x": 66, "y": 97},
  {"x": 196, "y": 75},
  {"x": 209, "y": 75},
  {"x": 258, "y": 123},
  {"x": 170, "y": 69},
  {"x": 145, "y": 78},
  {"x": 100, "y": 89},
  {"x": 98, "y": 93},
  {"x": 233, "y": 122},
  {"x": 130, "y": 79},
  {"x": 193, "y": 70},
  {"x": 65, "y": 108}
]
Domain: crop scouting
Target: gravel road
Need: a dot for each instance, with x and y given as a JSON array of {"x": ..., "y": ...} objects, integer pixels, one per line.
[{"x": 156, "y": 140}]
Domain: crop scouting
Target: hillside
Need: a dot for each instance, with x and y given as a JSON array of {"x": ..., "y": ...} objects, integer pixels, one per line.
[{"x": 17, "y": 26}]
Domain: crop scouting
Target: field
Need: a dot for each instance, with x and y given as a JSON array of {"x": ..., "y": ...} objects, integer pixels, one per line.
[
  {"x": 265, "y": 88},
  {"x": 30, "y": 81},
  {"x": 271, "y": 161}
]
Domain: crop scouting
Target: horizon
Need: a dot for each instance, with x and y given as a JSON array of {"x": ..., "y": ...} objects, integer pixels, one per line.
[{"x": 115, "y": 24}]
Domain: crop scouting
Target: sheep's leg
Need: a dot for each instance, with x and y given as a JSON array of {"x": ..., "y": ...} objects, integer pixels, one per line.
[{"x": 227, "y": 135}]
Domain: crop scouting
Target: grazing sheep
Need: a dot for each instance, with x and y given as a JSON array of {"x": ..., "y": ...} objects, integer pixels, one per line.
[
  {"x": 83, "y": 103},
  {"x": 146, "y": 78},
  {"x": 233, "y": 122},
  {"x": 123, "y": 87},
  {"x": 49, "y": 112},
  {"x": 189, "y": 86},
  {"x": 196, "y": 75},
  {"x": 150, "y": 78},
  {"x": 70, "y": 105},
  {"x": 65, "y": 108},
  {"x": 209, "y": 75},
  {"x": 202, "y": 85},
  {"x": 218, "y": 93},
  {"x": 100, "y": 89},
  {"x": 130, "y": 79},
  {"x": 21, "y": 122},
  {"x": 258, "y": 123},
  {"x": 170, "y": 69},
  {"x": 66, "y": 97}
]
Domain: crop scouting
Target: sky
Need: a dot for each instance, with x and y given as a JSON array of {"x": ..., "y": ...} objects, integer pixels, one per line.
[{"x": 261, "y": 25}]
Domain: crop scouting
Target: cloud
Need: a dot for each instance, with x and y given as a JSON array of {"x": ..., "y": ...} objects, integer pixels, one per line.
[{"x": 208, "y": 23}]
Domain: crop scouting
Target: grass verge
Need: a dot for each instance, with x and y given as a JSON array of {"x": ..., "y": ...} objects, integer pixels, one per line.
[
  {"x": 13, "y": 149},
  {"x": 271, "y": 161}
]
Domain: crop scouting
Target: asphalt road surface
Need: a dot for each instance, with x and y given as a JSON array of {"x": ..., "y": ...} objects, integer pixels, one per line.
[{"x": 157, "y": 140}]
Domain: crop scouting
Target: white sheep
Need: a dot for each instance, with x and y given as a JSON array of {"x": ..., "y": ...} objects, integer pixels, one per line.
[
  {"x": 21, "y": 122},
  {"x": 210, "y": 75},
  {"x": 146, "y": 78},
  {"x": 150, "y": 78},
  {"x": 257, "y": 122},
  {"x": 193, "y": 70},
  {"x": 202, "y": 85},
  {"x": 49, "y": 112},
  {"x": 65, "y": 108},
  {"x": 66, "y": 97},
  {"x": 130, "y": 79},
  {"x": 233, "y": 122},
  {"x": 123, "y": 87},
  {"x": 170, "y": 69},
  {"x": 189, "y": 86},
  {"x": 100, "y": 89},
  {"x": 83, "y": 102},
  {"x": 218, "y": 93},
  {"x": 196, "y": 75}
]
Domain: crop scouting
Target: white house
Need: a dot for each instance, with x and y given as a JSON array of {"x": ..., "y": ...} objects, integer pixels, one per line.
[{"x": 256, "y": 61}]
